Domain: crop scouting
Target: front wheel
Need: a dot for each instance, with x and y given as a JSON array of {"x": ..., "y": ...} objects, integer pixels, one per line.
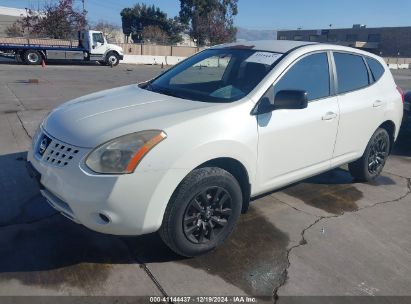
[
  {"x": 370, "y": 165},
  {"x": 32, "y": 57},
  {"x": 202, "y": 212},
  {"x": 112, "y": 59}
]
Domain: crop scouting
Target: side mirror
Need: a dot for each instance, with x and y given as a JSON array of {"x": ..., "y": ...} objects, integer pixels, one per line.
[
  {"x": 291, "y": 99},
  {"x": 264, "y": 106},
  {"x": 286, "y": 99}
]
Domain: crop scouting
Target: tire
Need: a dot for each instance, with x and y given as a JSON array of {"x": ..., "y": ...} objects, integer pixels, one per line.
[
  {"x": 112, "y": 59},
  {"x": 370, "y": 165},
  {"x": 191, "y": 229},
  {"x": 32, "y": 57}
]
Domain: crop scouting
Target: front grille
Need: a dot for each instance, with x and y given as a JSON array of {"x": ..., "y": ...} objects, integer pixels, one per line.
[{"x": 58, "y": 153}]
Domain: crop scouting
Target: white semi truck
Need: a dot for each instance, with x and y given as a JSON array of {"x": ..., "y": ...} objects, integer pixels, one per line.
[{"x": 90, "y": 46}]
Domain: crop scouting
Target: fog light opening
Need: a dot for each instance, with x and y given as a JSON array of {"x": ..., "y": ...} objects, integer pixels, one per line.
[{"x": 105, "y": 219}]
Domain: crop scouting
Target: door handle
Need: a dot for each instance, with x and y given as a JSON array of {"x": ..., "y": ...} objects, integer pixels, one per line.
[
  {"x": 329, "y": 116},
  {"x": 377, "y": 103}
]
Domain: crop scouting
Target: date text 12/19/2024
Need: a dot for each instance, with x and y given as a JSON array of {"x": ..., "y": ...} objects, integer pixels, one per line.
[{"x": 204, "y": 299}]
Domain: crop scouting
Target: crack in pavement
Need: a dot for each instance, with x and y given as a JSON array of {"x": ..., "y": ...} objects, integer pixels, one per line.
[
  {"x": 19, "y": 103},
  {"x": 146, "y": 270},
  {"x": 22, "y": 125},
  {"x": 303, "y": 241},
  {"x": 293, "y": 207}
]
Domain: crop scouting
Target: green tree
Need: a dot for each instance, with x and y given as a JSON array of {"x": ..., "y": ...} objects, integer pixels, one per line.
[
  {"x": 210, "y": 21},
  {"x": 136, "y": 19}
]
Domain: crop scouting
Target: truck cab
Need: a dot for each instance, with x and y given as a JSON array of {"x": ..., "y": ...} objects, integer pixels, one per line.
[{"x": 99, "y": 49}]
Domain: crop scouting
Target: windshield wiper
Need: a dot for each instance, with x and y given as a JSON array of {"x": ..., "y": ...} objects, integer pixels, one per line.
[{"x": 164, "y": 91}]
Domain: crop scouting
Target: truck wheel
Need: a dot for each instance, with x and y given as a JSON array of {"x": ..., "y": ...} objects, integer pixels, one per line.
[
  {"x": 370, "y": 165},
  {"x": 202, "y": 212},
  {"x": 112, "y": 59},
  {"x": 32, "y": 57}
]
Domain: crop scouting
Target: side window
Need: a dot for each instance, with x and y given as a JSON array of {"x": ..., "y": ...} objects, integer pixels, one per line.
[
  {"x": 98, "y": 37},
  {"x": 310, "y": 74},
  {"x": 352, "y": 72},
  {"x": 376, "y": 68}
]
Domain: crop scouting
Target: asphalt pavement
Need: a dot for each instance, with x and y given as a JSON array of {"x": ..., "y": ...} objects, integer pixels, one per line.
[{"x": 325, "y": 236}]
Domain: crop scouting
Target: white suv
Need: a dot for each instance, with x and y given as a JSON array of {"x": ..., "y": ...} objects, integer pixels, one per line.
[{"x": 184, "y": 152}]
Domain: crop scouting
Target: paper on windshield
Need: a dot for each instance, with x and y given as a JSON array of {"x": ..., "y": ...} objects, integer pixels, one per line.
[{"x": 264, "y": 58}]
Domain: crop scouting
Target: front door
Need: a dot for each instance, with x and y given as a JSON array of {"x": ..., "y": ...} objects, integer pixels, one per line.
[
  {"x": 294, "y": 144},
  {"x": 98, "y": 45}
]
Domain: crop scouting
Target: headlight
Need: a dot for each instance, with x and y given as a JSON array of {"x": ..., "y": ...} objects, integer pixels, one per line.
[{"x": 122, "y": 155}]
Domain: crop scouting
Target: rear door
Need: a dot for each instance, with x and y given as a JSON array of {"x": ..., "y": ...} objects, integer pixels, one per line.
[{"x": 362, "y": 106}]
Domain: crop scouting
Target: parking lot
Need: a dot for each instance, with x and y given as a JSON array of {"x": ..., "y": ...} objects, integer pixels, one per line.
[{"x": 325, "y": 236}]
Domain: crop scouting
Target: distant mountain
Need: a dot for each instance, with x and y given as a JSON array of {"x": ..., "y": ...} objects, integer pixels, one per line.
[{"x": 249, "y": 35}]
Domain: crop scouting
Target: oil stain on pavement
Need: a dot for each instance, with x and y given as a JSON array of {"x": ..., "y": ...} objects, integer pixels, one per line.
[
  {"x": 253, "y": 258},
  {"x": 332, "y": 192}
]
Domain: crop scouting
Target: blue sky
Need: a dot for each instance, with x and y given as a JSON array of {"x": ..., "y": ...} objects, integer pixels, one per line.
[{"x": 270, "y": 14}]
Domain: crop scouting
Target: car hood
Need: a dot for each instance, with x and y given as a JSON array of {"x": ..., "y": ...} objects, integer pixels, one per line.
[{"x": 96, "y": 118}]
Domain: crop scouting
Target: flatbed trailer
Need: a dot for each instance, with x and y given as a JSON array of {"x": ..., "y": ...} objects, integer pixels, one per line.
[{"x": 91, "y": 46}]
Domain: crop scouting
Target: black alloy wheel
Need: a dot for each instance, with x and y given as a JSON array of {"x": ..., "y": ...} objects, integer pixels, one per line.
[
  {"x": 378, "y": 153},
  {"x": 202, "y": 211},
  {"x": 372, "y": 162},
  {"x": 207, "y": 215}
]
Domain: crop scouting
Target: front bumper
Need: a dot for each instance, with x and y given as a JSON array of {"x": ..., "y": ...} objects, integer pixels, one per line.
[
  {"x": 130, "y": 204},
  {"x": 121, "y": 57}
]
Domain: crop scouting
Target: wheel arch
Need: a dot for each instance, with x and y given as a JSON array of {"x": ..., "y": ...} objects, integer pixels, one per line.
[
  {"x": 238, "y": 170},
  {"x": 109, "y": 52},
  {"x": 390, "y": 127},
  {"x": 42, "y": 52}
]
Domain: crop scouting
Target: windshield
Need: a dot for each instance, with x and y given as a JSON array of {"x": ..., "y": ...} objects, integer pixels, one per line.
[{"x": 216, "y": 75}]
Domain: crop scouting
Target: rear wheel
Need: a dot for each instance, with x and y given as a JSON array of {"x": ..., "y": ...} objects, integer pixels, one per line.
[
  {"x": 32, "y": 57},
  {"x": 202, "y": 212},
  {"x": 370, "y": 165},
  {"x": 112, "y": 59}
]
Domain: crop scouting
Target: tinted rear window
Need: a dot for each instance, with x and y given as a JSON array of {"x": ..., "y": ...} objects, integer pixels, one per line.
[
  {"x": 376, "y": 68},
  {"x": 352, "y": 72}
]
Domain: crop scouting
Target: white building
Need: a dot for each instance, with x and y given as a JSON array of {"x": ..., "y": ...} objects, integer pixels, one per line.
[{"x": 9, "y": 15}]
